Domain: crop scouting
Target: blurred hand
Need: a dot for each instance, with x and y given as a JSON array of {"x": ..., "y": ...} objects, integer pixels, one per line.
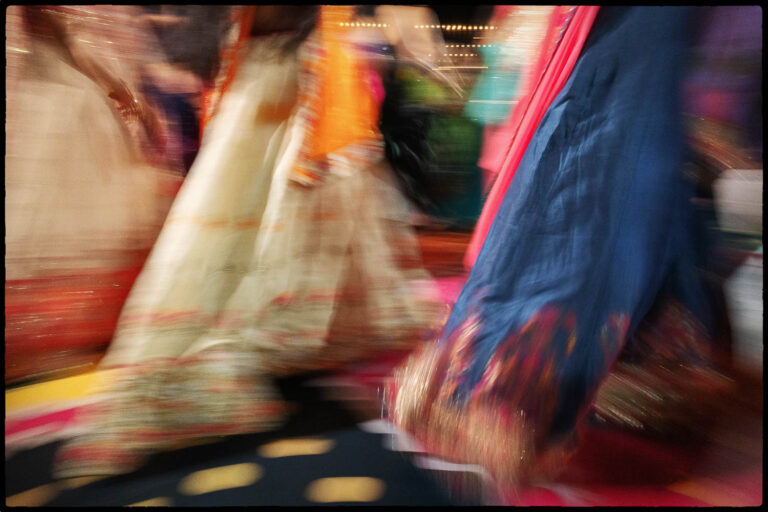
[
  {"x": 133, "y": 108},
  {"x": 126, "y": 101}
]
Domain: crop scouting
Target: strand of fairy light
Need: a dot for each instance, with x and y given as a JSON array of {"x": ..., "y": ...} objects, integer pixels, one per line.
[
  {"x": 458, "y": 27},
  {"x": 464, "y": 46},
  {"x": 443, "y": 27},
  {"x": 367, "y": 25}
]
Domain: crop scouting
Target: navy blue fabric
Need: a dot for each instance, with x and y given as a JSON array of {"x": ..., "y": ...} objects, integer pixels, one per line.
[{"x": 597, "y": 220}]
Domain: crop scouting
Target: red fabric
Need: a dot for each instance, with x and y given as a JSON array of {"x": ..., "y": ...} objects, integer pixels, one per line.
[
  {"x": 49, "y": 318},
  {"x": 552, "y": 82}
]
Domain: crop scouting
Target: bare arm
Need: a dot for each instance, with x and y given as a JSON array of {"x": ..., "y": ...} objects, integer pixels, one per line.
[{"x": 61, "y": 30}]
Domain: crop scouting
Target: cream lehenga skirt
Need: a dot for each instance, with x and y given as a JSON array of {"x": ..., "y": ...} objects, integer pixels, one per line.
[{"x": 253, "y": 276}]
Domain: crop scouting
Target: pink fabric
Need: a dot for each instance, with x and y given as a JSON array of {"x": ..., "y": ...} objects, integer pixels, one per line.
[
  {"x": 450, "y": 288},
  {"x": 376, "y": 85},
  {"x": 52, "y": 421},
  {"x": 496, "y": 138},
  {"x": 529, "y": 114}
]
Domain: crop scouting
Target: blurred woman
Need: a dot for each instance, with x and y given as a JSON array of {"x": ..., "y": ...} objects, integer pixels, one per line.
[
  {"x": 280, "y": 254},
  {"x": 83, "y": 204},
  {"x": 190, "y": 36},
  {"x": 592, "y": 254},
  {"x": 504, "y": 146},
  {"x": 515, "y": 55}
]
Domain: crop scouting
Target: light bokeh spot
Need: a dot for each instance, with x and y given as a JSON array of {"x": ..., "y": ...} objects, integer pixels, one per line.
[
  {"x": 154, "y": 502},
  {"x": 345, "y": 489},
  {"x": 294, "y": 447},
  {"x": 218, "y": 479}
]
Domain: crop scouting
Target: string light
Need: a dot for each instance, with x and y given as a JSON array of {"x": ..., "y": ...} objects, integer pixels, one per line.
[
  {"x": 364, "y": 25},
  {"x": 457, "y": 27},
  {"x": 442, "y": 27}
]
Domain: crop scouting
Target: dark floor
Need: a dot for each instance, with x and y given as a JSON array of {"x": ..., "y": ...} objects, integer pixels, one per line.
[{"x": 284, "y": 480}]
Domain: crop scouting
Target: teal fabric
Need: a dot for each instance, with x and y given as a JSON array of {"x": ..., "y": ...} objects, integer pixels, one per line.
[{"x": 491, "y": 99}]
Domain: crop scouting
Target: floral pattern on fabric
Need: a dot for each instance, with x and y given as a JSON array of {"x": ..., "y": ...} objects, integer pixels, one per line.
[
  {"x": 520, "y": 387},
  {"x": 214, "y": 393}
]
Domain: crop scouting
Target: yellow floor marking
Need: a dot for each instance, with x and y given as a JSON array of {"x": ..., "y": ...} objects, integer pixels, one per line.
[
  {"x": 217, "y": 479},
  {"x": 154, "y": 502},
  {"x": 341, "y": 489},
  {"x": 293, "y": 447},
  {"x": 709, "y": 492},
  {"x": 36, "y": 497},
  {"x": 69, "y": 388},
  {"x": 81, "y": 481}
]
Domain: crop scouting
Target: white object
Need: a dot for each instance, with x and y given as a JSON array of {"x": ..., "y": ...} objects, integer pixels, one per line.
[
  {"x": 744, "y": 293},
  {"x": 739, "y": 200}
]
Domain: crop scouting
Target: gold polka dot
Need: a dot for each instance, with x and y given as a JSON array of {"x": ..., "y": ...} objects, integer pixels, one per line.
[
  {"x": 154, "y": 502},
  {"x": 217, "y": 479},
  {"x": 340, "y": 489},
  {"x": 81, "y": 481},
  {"x": 36, "y": 497},
  {"x": 294, "y": 447}
]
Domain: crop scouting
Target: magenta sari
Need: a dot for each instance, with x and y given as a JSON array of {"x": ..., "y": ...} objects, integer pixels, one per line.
[{"x": 554, "y": 69}]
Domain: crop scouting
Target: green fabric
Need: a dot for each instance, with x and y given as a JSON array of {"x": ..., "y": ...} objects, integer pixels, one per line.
[
  {"x": 419, "y": 88},
  {"x": 454, "y": 142}
]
